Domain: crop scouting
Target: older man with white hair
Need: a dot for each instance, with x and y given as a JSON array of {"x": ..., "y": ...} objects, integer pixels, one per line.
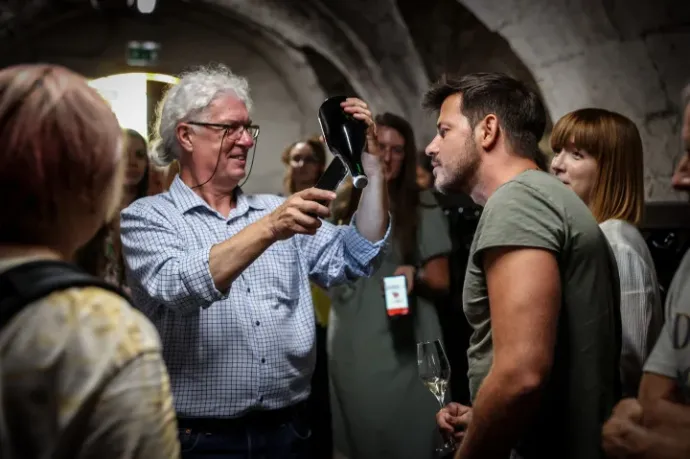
[{"x": 225, "y": 275}]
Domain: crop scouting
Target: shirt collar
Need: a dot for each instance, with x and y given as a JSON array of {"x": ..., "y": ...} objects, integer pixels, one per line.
[{"x": 186, "y": 199}]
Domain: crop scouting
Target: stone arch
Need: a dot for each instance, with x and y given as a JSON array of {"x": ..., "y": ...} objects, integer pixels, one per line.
[
  {"x": 284, "y": 87},
  {"x": 389, "y": 75}
]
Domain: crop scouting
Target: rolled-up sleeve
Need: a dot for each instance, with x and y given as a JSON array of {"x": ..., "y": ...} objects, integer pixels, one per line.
[
  {"x": 160, "y": 264},
  {"x": 339, "y": 254}
]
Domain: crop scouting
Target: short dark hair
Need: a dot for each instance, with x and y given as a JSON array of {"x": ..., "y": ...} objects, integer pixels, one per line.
[{"x": 519, "y": 109}]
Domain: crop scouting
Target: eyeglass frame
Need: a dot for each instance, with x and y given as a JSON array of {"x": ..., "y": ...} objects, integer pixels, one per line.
[{"x": 232, "y": 129}]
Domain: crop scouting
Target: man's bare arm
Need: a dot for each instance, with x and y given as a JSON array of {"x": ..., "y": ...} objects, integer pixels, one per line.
[{"x": 524, "y": 317}]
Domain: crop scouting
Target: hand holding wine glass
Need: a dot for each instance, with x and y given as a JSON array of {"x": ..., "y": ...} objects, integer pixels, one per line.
[
  {"x": 453, "y": 420},
  {"x": 434, "y": 371}
]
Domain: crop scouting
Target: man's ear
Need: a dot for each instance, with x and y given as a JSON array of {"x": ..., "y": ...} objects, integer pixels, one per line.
[
  {"x": 182, "y": 132},
  {"x": 487, "y": 132}
]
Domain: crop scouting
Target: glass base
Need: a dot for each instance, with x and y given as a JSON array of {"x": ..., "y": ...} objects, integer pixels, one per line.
[{"x": 446, "y": 450}]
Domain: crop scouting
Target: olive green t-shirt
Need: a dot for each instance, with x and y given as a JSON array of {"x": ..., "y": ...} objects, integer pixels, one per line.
[{"x": 536, "y": 210}]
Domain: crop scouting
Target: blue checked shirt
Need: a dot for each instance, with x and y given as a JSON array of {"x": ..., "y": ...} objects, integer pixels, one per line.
[{"x": 251, "y": 347}]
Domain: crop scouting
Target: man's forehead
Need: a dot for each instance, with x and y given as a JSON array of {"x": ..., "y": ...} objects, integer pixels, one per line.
[
  {"x": 228, "y": 106},
  {"x": 450, "y": 109}
]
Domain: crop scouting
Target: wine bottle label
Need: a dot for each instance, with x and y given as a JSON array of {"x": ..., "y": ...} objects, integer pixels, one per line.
[{"x": 395, "y": 289}]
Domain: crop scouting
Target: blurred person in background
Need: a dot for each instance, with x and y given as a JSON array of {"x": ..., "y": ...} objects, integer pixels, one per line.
[
  {"x": 82, "y": 374},
  {"x": 425, "y": 179},
  {"x": 160, "y": 178},
  {"x": 380, "y": 407},
  {"x": 102, "y": 255},
  {"x": 304, "y": 163},
  {"x": 598, "y": 154}
]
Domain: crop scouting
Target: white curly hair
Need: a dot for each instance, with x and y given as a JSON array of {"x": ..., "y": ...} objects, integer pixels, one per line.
[{"x": 189, "y": 99}]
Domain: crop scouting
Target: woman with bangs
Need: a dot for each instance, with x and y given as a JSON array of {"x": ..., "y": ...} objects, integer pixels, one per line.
[{"x": 598, "y": 154}]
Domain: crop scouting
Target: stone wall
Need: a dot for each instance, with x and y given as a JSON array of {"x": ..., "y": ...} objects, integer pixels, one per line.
[
  {"x": 283, "y": 86},
  {"x": 624, "y": 55},
  {"x": 621, "y": 55}
]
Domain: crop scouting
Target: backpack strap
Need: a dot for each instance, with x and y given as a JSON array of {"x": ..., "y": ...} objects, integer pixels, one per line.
[{"x": 29, "y": 282}]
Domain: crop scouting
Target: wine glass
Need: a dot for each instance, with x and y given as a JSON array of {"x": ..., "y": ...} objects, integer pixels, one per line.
[{"x": 434, "y": 371}]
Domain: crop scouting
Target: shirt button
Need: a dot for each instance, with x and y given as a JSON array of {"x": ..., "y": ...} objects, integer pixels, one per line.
[
  {"x": 258, "y": 323},
  {"x": 261, "y": 399},
  {"x": 263, "y": 360}
]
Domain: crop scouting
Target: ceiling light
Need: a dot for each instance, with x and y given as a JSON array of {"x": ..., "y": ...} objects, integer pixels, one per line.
[{"x": 146, "y": 6}]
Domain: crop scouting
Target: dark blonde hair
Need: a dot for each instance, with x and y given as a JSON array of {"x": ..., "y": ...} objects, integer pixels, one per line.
[
  {"x": 143, "y": 185},
  {"x": 319, "y": 151},
  {"x": 614, "y": 142},
  {"x": 60, "y": 153}
]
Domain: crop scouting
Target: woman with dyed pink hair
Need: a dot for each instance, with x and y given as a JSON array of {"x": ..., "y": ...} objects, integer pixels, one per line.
[{"x": 81, "y": 372}]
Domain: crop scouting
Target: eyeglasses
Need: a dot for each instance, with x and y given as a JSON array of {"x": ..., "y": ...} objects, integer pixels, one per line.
[{"x": 234, "y": 130}]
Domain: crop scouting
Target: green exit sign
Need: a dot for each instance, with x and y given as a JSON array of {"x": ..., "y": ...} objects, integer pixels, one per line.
[{"x": 143, "y": 53}]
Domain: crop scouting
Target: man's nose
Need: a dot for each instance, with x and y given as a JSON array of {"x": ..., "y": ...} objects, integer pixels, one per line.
[
  {"x": 246, "y": 139},
  {"x": 432, "y": 148}
]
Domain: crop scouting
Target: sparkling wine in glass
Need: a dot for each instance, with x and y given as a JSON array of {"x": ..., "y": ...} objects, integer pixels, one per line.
[{"x": 434, "y": 371}]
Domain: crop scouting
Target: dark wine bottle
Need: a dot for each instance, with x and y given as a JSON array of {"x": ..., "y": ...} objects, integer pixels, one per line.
[{"x": 345, "y": 136}]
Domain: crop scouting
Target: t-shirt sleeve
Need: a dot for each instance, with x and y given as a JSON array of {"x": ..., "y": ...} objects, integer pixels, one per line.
[
  {"x": 434, "y": 238},
  {"x": 518, "y": 215},
  {"x": 662, "y": 360}
]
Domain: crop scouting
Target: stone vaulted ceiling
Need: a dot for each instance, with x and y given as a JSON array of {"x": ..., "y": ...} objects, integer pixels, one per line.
[{"x": 625, "y": 55}]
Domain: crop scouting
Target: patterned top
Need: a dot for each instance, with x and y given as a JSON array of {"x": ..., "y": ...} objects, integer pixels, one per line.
[
  {"x": 83, "y": 369},
  {"x": 642, "y": 315},
  {"x": 252, "y": 346}
]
